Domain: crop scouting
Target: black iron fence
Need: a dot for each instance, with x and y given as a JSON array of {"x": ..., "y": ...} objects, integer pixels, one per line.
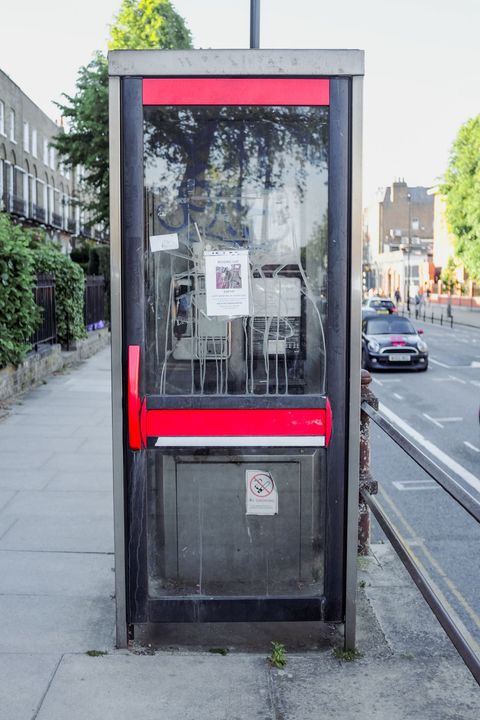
[
  {"x": 94, "y": 308},
  {"x": 454, "y": 490},
  {"x": 44, "y": 293}
]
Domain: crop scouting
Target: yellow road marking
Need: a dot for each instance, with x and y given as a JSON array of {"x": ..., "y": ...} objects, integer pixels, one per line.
[{"x": 452, "y": 587}]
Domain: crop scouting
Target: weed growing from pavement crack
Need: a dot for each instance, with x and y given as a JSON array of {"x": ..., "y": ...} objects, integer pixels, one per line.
[
  {"x": 347, "y": 655},
  {"x": 277, "y": 659},
  {"x": 218, "y": 651},
  {"x": 96, "y": 653}
]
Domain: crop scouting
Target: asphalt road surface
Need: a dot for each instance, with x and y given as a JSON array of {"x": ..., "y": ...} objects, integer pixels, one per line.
[{"x": 437, "y": 410}]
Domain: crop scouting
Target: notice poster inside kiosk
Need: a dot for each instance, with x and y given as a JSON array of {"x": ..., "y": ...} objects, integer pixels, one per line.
[
  {"x": 226, "y": 283},
  {"x": 262, "y": 495}
]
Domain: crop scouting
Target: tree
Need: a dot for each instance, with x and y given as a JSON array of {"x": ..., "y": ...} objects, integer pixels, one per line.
[
  {"x": 86, "y": 142},
  {"x": 139, "y": 24},
  {"x": 462, "y": 191},
  {"x": 143, "y": 24}
]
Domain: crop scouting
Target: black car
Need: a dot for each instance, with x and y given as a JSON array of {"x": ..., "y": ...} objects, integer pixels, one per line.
[{"x": 391, "y": 341}]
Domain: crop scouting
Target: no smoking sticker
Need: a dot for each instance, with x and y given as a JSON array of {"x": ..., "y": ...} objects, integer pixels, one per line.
[{"x": 262, "y": 496}]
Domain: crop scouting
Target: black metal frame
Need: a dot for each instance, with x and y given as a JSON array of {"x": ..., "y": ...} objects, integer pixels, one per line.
[
  {"x": 331, "y": 606},
  {"x": 44, "y": 294},
  {"x": 94, "y": 306}
]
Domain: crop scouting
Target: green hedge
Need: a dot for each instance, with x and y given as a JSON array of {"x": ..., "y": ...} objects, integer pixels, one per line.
[
  {"x": 19, "y": 314},
  {"x": 69, "y": 291}
]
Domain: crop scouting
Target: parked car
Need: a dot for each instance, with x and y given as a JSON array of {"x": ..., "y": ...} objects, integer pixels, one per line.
[
  {"x": 384, "y": 306},
  {"x": 391, "y": 342}
]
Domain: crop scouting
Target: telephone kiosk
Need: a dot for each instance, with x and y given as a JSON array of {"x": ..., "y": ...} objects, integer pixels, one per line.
[{"x": 234, "y": 202}]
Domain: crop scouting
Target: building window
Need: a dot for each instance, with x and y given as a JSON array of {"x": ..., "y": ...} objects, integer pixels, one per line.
[
  {"x": 12, "y": 125},
  {"x": 34, "y": 142},
  {"x": 415, "y": 224},
  {"x": 26, "y": 136},
  {"x": 52, "y": 158},
  {"x": 2, "y": 117},
  {"x": 45, "y": 152}
]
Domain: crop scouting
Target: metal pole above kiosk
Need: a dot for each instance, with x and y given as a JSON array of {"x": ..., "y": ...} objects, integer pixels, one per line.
[{"x": 254, "y": 24}]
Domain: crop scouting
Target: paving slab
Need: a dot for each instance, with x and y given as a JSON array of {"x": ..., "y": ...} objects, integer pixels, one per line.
[
  {"x": 319, "y": 686},
  {"x": 170, "y": 686},
  {"x": 86, "y": 481},
  {"x": 38, "y": 503},
  {"x": 74, "y": 461},
  {"x": 56, "y": 421},
  {"x": 38, "y": 409},
  {"x": 51, "y": 624},
  {"x": 6, "y": 497},
  {"x": 53, "y": 573},
  {"x": 72, "y": 534},
  {"x": 101, "y": 444},
  {"x": 24, "y": 680},
  {"x": 24, "y": 440},
  {"x": 25, "y": 460}
]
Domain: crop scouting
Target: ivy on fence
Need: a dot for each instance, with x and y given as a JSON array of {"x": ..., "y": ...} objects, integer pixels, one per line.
[
  {"x": 23, "y": 255},
  {"x": 69, "y": 291},
  {"x": 19, "y": 314}
]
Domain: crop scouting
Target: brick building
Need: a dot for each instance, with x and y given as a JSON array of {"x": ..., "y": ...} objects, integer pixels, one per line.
[
  {"x": 35, "y": 189},
  {"x": 398, "y": 239}
]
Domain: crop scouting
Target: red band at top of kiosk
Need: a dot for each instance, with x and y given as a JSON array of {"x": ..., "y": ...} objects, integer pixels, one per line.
[{"x": 236, "y": 91}]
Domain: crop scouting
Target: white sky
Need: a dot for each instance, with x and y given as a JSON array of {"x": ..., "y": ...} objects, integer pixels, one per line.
[{"x": 422, "y": 61}]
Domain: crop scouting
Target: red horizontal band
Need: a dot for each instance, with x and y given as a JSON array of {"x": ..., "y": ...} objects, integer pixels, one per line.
[
  {"x": 236, "y": 91},
  {"x": 236, "y": 423}
]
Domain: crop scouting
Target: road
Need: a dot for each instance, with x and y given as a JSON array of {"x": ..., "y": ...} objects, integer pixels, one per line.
[{"x": 439, "y": 411}]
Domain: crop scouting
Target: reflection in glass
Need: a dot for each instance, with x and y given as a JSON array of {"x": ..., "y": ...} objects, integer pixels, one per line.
[{"x": 236, "y": 207}]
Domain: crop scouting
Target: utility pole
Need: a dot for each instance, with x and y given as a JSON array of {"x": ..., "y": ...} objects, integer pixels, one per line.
[
  {"x": 409, "y": 198},
  {"x": 254, "y": 23}
]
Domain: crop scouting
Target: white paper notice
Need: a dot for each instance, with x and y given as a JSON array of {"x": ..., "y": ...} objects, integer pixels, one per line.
[
  {"x": 163, "y": 242},
  {"x": 226, "y": 282},
  {"x": 262, "y": 495}
]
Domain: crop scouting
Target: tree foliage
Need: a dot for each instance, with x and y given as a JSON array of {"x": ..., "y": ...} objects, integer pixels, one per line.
[
  {"x": 462, "y": 191},
  {"x": 140, "y": 24},
  {"x": 449, "y": 275},
  {"x": 86, "y": 142},
  {"x": 143, "y": 24},
  {"x": 19, "y": 314}
]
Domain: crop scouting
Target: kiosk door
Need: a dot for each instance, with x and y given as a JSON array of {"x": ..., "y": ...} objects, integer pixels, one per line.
[{"x": 234, "y": 307}]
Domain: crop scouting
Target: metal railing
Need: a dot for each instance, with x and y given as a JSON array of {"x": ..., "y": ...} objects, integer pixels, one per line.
[
  {"x": 57, "y": 220},
  {"x": 436, "y": 315},
  {"x": 38, "y": 213},
  {"x": 94, "y": 308},
  {"x": 44, "y": 294},
  {"x": 454, "y": 489}
]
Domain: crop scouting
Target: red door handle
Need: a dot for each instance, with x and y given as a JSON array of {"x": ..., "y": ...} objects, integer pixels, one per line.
[{"x": 133, "y": 398}]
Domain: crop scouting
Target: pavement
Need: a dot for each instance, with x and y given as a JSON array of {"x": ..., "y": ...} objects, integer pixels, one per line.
[
  {"x": 461, "y": 315},
  {"x": 57, "y": 605}
]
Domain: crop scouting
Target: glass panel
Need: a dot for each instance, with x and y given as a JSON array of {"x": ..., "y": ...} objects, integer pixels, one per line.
[
  {"x": 236, "y": 249},
  {"x": 204, "y": 537}
]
